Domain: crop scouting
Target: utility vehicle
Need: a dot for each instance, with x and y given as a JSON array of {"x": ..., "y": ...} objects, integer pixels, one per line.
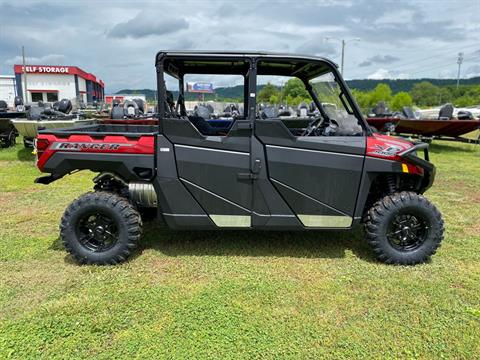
[{"x": 326, "y": 171}]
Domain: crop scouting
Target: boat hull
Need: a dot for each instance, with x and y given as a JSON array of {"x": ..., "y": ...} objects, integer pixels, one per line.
[
  {"x": 451, "y": 128},
  {"x": 29, "y": 128}
]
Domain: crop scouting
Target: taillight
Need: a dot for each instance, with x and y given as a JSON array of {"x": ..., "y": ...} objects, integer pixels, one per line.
[{"x": 40, "y": 146}]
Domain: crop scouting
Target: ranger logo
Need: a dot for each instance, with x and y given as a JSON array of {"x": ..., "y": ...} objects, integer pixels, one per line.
[
  {"x": 79, "y": 146},
  {"x": 390, "y": 150}
]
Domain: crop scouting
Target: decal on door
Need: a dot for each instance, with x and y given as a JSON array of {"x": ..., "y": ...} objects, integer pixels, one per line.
[
  {"x": 231, "y": 220},
  {"x": 333, "y": 221}
]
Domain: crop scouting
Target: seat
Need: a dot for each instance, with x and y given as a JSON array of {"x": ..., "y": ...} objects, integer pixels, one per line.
[
  {"x": 130, "y": 108},
  {"x": 117, "y": 112},
  {"x": 408, "y": 112},
  {"x": 203, "y": 126},
  {"x": 446, "y": 112},
  {"x": 198, "y": 119}
]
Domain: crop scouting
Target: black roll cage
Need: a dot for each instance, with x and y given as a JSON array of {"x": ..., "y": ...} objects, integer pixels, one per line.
[{"x": 250, "y": 77}]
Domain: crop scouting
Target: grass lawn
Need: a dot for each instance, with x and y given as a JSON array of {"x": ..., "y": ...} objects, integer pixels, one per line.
[{"x": 236, "y": 294}]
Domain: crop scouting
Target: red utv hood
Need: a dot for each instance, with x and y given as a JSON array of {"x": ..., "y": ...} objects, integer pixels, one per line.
[{"x": 386, "y": 147}]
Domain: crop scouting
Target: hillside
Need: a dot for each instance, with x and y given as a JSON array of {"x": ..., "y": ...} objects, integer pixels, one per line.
[
  {"x": 360, "y": 84},
  {"x": 406, "y": 84}
]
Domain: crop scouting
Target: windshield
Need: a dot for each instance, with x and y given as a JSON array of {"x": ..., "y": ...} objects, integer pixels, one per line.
[{"x": 334, "y": 102}]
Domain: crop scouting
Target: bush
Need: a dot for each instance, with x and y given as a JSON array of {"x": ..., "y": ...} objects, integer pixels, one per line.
[{"x": 400, "y": 100}]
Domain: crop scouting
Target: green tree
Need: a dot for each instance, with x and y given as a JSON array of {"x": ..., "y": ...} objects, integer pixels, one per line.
[
  {"x": 426, "y": 94},
  {"x": 267, "y": 92},
  {"x": 288, "y": 99},
  {"x": 274, "y": 99},
  {"x": 465, "y": 100},
  {"x": 382, "y": 92},
  {"x": 363, "y": 100},
  {"x": 445, "y": 95},
  {"x": 400, "y": 100},
  {"x": 295, "y": 88},
  {"x": 297, "y": 100}
]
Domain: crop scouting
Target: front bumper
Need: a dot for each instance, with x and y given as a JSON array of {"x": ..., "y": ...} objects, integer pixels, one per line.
[{"x": 410, "y": 156}]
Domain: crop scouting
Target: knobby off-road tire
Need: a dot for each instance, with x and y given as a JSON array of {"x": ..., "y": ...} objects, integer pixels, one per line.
[
  {"x": 100, "y": 228},
  {"x": 404, "y": 228}
]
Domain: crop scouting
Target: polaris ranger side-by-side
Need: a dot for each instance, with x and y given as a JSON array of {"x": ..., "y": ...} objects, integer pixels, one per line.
[{"x": 326, "y": 170}]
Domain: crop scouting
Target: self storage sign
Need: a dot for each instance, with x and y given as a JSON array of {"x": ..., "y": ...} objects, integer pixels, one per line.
[{"x": 47, "y": 69}]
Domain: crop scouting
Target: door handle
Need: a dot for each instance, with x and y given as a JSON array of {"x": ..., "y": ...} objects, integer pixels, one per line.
[
  {"x": 257, "y": 166},
  {"x": 244, "y": 125},
  {"x": 253, "y": 175},
  {"x": 247, "y": 176}
]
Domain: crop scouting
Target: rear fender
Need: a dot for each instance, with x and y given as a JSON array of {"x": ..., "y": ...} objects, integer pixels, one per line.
[{"x": 131, "y": 158}]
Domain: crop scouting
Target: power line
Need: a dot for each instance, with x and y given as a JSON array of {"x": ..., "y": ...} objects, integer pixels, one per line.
[
  {"x": 441, "y": 63},
  {"x": 434, "y": 56},
  {"x": 402, "y": 66},
  {"x": 433, "y": 66}
]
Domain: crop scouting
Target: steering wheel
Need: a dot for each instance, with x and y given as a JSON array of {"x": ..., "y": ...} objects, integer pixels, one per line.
[
  {"x": 314, "y": 126},
  {"x": 321, "y": 126}
]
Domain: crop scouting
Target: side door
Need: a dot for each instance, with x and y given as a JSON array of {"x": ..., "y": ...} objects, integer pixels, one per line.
[
  {"x": 316, "y": 173},
  {"x": 215, "y": 170},
  {"x": 318, "y": 177}
]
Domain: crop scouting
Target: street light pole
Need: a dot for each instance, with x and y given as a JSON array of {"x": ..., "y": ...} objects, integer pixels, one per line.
[{"x": 344, "y": 42}]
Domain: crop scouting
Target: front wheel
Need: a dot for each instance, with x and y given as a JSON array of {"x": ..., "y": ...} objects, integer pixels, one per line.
[
  {"x": 100, "y": 228},
  {"x": 404, "y": 228}
]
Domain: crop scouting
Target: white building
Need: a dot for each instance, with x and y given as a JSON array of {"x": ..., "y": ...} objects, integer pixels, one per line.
[
  {"x": 8, "y": 89},
  {"x": 49, "y": 83}
]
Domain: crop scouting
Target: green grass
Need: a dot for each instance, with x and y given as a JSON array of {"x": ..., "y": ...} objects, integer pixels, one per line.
[{"x": 236, "y": 294}]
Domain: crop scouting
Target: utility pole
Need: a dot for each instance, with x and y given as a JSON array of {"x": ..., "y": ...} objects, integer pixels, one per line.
[
  {"x": 344, "y": 42},
  {"x": 459, "y": 62},
  {"x": 24, "y": 76}
]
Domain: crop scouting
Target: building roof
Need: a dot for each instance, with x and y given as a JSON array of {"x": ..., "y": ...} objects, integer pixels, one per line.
[{"x": 57, "y": 70}]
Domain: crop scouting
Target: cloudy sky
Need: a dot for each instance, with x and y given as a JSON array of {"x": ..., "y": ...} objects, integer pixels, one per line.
[{"x": 118, "y": 40}]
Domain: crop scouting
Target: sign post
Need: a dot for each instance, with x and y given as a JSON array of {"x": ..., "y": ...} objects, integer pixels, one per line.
[{"x": 25, "y": 100}]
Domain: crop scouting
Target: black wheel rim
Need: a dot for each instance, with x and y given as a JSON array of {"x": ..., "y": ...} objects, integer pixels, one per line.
[
  {"x": 407, "y": 231},
  {"x": 97, "y": 231}
]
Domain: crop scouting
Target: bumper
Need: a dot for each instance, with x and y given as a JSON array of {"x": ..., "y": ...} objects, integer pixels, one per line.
[{"x": 410, "y": 156}]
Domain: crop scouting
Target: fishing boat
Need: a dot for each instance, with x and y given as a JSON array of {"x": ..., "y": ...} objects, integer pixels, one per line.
[
  {"x": 41, "y": 117},
  {"x": 448, "y": 124}
]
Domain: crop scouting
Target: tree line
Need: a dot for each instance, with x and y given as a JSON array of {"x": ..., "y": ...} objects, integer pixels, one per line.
[{"x": 423, "y": 94}]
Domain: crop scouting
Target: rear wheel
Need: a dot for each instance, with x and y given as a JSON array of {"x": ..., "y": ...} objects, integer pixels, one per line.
[
  {"x": 404, "y": 228},
  {"x": 100, "y": 228}
]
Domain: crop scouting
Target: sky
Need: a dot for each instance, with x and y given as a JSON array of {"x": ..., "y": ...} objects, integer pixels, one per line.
[{"x": 118, "y": 40}]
